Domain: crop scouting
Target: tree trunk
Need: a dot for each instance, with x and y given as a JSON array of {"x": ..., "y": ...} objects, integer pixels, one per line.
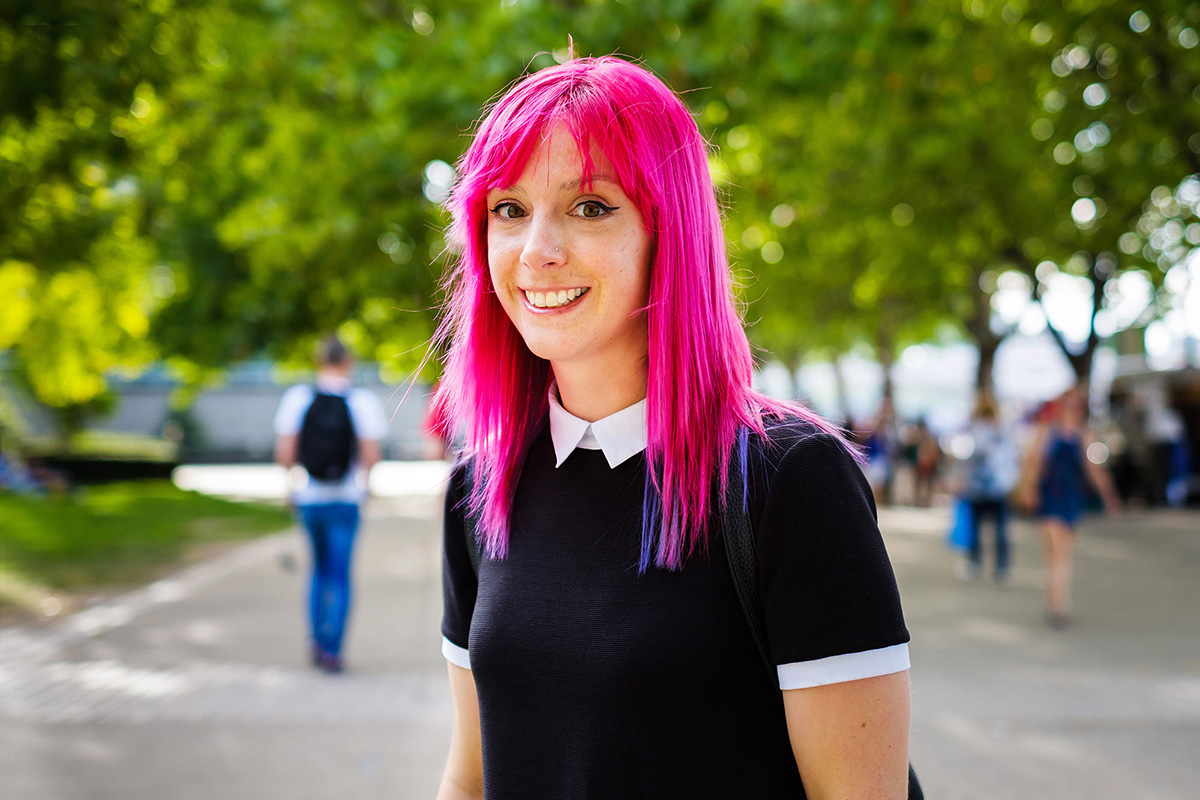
[
  {"x": 987, "y": 342},
  {"x": 839, "y": 382},
  {"x": 985, "y": 380},
  {"x": 885, "y": 354},
  {"x": 1081, "y": 362},
  {"x": 68, "y": 422}
]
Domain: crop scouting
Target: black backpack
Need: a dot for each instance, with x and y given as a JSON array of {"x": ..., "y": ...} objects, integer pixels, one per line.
[
  {"x": 738, "y": 537},
  {"x": 327, "y": 441}
]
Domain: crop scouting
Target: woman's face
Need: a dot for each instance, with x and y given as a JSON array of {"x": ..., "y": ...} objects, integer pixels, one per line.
[
  {"x": 1073, "y": 410},
  {"x": 570, "y": 262}
]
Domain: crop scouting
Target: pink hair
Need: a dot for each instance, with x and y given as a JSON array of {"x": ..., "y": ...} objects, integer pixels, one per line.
[{"x": 698, "y": 386}]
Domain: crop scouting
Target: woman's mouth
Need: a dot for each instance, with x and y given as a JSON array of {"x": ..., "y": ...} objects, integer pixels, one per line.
[{"x": 563, "y": 297}]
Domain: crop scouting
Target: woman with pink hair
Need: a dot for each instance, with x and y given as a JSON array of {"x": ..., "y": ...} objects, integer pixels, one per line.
[{"x": 598, "y": 375}]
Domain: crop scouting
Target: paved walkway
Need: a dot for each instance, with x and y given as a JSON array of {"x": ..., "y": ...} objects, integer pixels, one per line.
[{"x": 196, "y": 687}]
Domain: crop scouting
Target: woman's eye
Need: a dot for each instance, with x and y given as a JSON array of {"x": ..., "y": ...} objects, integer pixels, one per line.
[
  {"x": 590, "y": 209},
  {"x": 508, "y": 211}
]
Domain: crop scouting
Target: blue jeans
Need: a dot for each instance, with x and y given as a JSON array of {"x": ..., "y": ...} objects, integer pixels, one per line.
[
  {"x": 998, "y": 511},
  {"x": 331, "y": 528}
]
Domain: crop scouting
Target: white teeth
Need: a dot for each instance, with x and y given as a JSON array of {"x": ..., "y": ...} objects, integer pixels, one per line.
[{"x": 553, "y": 299}]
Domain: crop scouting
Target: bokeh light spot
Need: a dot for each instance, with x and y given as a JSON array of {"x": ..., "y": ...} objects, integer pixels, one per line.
[
  {"x": 1041, "y": 34},
  {"x": 1096, "y": 94}
]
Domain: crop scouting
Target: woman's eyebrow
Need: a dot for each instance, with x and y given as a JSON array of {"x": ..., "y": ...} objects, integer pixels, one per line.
[
  {"x": 578, "y": 182},
  {"x": 564, "y": 186}
]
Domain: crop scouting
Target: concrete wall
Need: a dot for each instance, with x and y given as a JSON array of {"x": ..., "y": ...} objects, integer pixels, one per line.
[
  {"x": 238, "y": 419},
  {"x": 233, "y": 422}
]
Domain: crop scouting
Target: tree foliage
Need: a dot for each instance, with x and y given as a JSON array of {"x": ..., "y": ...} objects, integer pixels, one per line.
[
  {"x": 204, "y": 182},
  {"x": 74, "y": 250}
]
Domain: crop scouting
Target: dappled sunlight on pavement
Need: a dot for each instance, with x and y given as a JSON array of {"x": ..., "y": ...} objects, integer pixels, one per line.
[
  {"x": 1004, "y": 707},
  {"x": 197, "y": 685}
]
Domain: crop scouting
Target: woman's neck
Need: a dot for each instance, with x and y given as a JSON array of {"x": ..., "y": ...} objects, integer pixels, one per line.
[{"x": 592, "y": 394}]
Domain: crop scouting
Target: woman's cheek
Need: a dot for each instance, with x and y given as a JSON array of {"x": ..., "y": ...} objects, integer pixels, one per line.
[{"x": 502, "y": 258}]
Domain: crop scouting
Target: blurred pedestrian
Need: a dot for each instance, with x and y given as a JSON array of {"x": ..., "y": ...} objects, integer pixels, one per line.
[
  {"x": 30, "y": 475},
  {"x": 927, "y": 461},
  {"x": 1168, "y": 439},
  {"x": 15, "y": 475},
  {"x": 1055, "y": 486},
  {"x": 601, "y": 376},
  {"x": 992, "y": 472},
  {"x": 333, "y": 432},
  {"x": 881, "y": 447}
]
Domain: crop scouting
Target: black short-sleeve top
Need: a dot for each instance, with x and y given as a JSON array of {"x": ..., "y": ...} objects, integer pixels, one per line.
[{"x": 595, "y": 681}]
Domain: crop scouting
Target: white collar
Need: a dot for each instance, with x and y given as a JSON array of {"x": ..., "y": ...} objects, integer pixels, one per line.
[{"x": 621, "y": 436}]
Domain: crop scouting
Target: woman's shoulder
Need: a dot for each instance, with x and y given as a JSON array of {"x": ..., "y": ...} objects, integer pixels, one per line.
[
  {"x": 788, "y": 434},
  {"x": 796, "y": 448}
]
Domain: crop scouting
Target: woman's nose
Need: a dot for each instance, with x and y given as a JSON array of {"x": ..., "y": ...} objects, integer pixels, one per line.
[{"x": 544, "y": 245}]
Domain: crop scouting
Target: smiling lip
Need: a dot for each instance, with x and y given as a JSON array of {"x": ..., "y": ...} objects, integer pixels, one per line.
[{"x": 552, "y": 300}]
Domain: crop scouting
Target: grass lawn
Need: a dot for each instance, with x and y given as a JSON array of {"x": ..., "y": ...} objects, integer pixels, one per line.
[{"x": 107, "y": 537}]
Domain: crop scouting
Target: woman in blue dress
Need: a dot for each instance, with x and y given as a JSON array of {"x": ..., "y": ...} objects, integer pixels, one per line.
[{"x": 1065, "y": 459}]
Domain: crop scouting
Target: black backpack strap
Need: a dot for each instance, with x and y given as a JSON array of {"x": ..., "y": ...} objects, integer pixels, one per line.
[
  {"x": 738, "y": 534},
  {"x": 739, "y": 550}
]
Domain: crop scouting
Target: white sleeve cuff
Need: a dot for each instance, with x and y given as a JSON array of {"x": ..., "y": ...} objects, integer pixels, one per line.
[
  {"x": 839, "y": 669},
  {"x": 458, "y": 656}
]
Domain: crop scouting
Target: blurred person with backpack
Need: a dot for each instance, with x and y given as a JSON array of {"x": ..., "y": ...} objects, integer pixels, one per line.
[
  {"x": 333, "y": 432},
  {"x": 992, "y": 472}
]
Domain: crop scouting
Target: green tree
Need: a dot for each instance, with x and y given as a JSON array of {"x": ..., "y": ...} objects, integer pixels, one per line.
[
  {"x": 74, "y": 249},
  {"x": 213, "y": 181},
  {"x": 992, "y": 143},
  {"x": 1119, "y": 90}
]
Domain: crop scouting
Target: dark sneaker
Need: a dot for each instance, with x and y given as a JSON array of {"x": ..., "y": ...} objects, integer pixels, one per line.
[
  {"x": 1057, "y": 621},
  {"x": 331, "y": 664}
]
